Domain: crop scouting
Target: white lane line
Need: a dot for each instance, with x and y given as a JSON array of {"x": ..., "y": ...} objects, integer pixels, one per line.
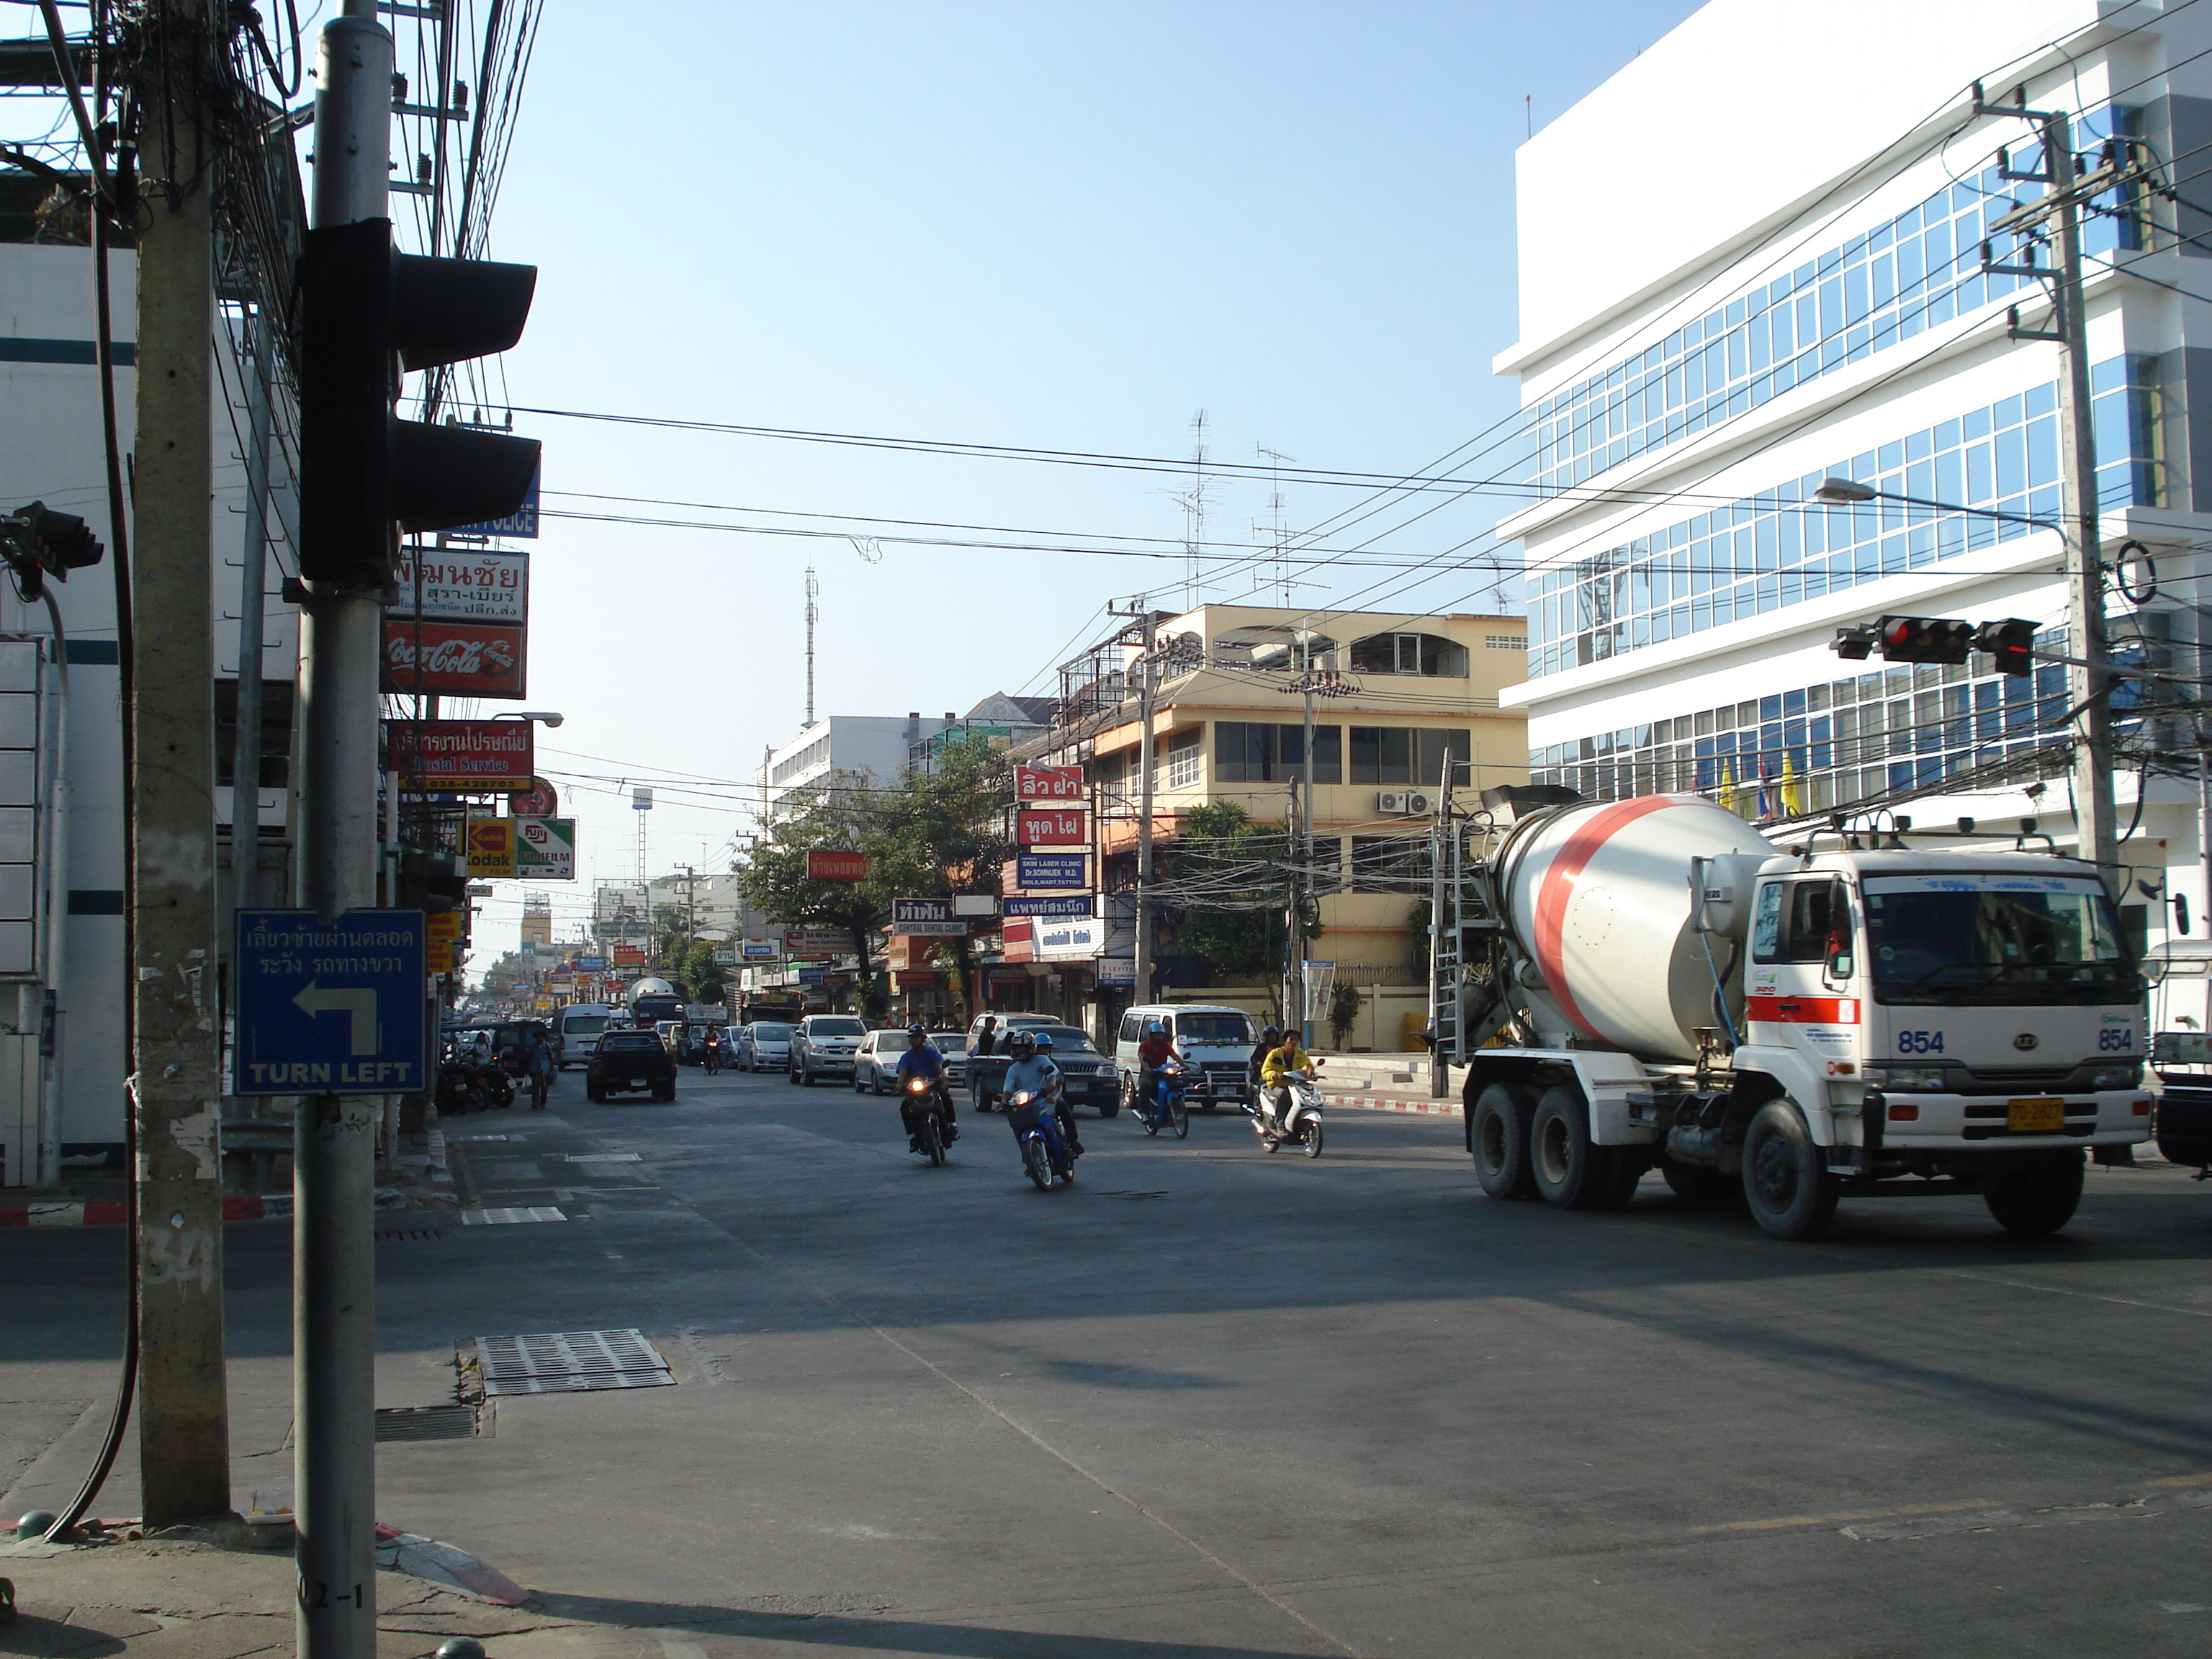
[{"x": 2086, "y": 1296}]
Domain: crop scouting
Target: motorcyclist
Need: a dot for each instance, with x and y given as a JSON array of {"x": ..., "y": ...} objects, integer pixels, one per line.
[
  {"x": 921, "y": 1060},
  {"x": 1153, "y": 1054},
  {"x": 1287, "y": 1056},
  {"x": 711, "y": 1050},
  {"x": 1269, "y": 1040},
  {"x": 1061, "y": 1108},
  {"x": 1033, "y": 1072}
]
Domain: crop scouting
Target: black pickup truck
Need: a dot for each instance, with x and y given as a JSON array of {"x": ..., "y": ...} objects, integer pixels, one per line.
[
  {"x": 1086, "y": 1076},
  {"x": 630, "y": 1060},
  {"x": 2182, "y": 1062}
]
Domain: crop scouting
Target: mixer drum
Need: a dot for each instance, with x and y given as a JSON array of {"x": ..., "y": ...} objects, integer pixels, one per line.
[{"x": 1599, "y": 896}]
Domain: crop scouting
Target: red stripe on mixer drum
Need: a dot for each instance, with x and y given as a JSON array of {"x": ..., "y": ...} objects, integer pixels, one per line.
[
  {"x": 1558, "y": 889},
  {"x": 1803, "y": 1011}
]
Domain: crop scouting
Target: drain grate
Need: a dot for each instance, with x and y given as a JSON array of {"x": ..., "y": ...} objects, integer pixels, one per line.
[
  {"x": 426, "y": 1423},
  {"x": 408, "y": 1235},
  {"x": 570, "y": 1362},
  {"x": 511, "y": 1216},
  {"x": 598, "y": 1157}
]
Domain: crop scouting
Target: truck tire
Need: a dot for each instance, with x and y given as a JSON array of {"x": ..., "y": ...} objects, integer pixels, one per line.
[
  {"x": 1497, "y": 1136},
  {"x": 2036, "y": 1203},
  {"x": 1569, "y": 1171},
  {"x": 1785, "y": 1177}
]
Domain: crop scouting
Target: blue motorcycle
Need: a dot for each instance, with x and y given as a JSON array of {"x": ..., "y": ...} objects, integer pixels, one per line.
[
  {"x": 1036, "y": 1132},
  {"x": 1164, "y": 1107}
]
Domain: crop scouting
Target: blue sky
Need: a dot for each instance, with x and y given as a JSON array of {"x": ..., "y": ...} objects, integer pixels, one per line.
[{"x": 1068, "y": 227}]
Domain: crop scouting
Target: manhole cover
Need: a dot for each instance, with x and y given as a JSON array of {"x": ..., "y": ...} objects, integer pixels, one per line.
[
  {"x": 511, "y": 1218},
  {"x": 426, "y": 1423},
  {"x": 570, "y": 1362}
]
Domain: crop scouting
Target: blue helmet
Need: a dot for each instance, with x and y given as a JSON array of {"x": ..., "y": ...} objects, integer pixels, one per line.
[
  {"x": 1043, "y": 1042},
  {"x": 1155, "y": 1029}
]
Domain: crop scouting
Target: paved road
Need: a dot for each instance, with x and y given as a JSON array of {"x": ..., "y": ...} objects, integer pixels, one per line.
[{"x": 1215, "y": 1402}]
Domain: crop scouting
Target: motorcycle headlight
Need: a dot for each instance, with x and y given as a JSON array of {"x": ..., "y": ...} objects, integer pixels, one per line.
[
  {"x": 2124, "y": 1076},
  {"x": 1910, "y": 1079}
]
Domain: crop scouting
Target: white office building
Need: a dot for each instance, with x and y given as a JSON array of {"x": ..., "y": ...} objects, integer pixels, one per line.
[
  {"x": 1754, "y": 260},
  {"x": 873, "y": 747}
]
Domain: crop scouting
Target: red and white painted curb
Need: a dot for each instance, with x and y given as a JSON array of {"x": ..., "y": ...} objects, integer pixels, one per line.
[
  {"x": 441, "y": 1564},
  {"x": 108, "y": 1211},
  {"x": 1390, "y": 1104}
]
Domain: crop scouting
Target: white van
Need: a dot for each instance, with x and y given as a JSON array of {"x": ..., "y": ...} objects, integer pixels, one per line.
[
  {"x": 1216, "y": 1040},
  {"x": 576, "y": 1032}
]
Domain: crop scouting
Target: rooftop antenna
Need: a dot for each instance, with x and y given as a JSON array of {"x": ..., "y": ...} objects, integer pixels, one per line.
[
  {"x": 1282, "y": 559},
  {"x": 1193, "y": 508},
  {"x": 813, "y": 615}
]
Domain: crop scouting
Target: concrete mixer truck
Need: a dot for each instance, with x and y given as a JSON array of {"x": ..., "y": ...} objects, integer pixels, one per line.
[{"x": 1657, "y": 985}]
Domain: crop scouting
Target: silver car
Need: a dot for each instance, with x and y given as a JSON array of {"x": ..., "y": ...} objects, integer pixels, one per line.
[
  {"x": 824, "y": 1045},
  {"x": 764, "y": 1045}
]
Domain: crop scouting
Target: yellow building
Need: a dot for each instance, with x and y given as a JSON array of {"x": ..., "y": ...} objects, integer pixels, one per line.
[{"x": 1389, "y": 699}]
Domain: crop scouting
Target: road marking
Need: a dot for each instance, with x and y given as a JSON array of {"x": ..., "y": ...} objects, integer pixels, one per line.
[
  {"x": 2086, "y": 1296},
  {"x": 2181, "y": 1480},
  {"x": 1778, "y": 1522}
]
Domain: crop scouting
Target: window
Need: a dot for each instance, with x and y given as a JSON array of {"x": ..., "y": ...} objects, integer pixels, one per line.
[
  {"x": 1248, "y": 752},
  {"x": 1131, "y": 1028},
  {"x": 1182, "y": 759},
  {"x": 1409, "y": 654},
  {"x": 1505, "y": 641},
  {"x": 1792, "y": 921},
  {"x": 1382, "y": 754},
  {"x": 1389, "y": 864},
  {"x": 1431, "y": 749}
]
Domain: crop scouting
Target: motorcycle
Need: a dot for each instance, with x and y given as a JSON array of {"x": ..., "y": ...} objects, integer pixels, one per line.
[
  {"x": 927, "y": 1112},
  {"x": 1300, "y": 1119},
  {"x": 1165, "y": 1109},
  {"x": 1036, "y": 1132},
  {"x": 469, "y": 1084},
  {"x": 713, "y": 1059}
]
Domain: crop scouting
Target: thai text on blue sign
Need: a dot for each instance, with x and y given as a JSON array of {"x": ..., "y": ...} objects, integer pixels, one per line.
[
  {"x": 334, "y": 1007},
  {"x": 1052, "y": 870},
  {"x": 591, "y": 965},
  {"x": 1074, "y": 904}
]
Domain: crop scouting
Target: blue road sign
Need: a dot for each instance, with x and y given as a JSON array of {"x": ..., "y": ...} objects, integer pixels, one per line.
[
  {"x": 591, "y": 965},
  {"x": 329, "y": 1010},
  {"x": 1073, "y": 905},
  {"x": 1051, "y": 869}
]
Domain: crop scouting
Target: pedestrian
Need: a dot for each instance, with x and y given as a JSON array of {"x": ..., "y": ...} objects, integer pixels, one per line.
[
  {"x": 986, "y": 1035},
  {"x": 540, "y": 1058}
]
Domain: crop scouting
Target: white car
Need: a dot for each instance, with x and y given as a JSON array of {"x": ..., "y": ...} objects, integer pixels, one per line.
[{"x": 764, "y": 1045}]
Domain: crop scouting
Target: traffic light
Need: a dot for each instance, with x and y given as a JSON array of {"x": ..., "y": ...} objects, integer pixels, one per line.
[
  {"x": 1855, "y": 643},
  {"x": 1924, "y": 639},
  {"x": 38, "y": 542},
  {"x": 2011, "y": 642},
  {"x": 366, "y": 314}
]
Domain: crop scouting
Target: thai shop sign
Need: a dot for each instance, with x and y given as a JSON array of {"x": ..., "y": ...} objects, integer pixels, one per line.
[
  {"x": 1047, "y": 783},
  {"x": 1056, "y": 826},
  {"x": 926, "y": 918},
  {"x": 463, "y": 756},
  {"x": 545, "y": 849},
  {"x": 465, "y": 585}
]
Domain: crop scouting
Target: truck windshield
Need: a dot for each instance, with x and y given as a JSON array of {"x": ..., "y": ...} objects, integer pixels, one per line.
[
  {"x": 1995, "y": 939},
  {"x": 1234, "y": 1030}
]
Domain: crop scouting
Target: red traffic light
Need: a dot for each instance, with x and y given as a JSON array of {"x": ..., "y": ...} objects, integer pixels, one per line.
[
  {"x": 2011, "y": 642},
  {"x": 1924, "y": 639}
]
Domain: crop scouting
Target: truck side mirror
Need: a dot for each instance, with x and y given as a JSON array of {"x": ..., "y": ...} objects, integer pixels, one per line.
[
  {"x": 2181, "y": 912},
  {"x": 1839, "y": 964}
]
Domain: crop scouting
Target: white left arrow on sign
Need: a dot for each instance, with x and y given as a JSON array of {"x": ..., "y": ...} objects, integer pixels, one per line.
[{"x": 358, "y": 1005}]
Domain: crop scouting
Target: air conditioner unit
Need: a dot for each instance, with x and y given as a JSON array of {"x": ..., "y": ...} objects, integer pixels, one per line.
[{"x": 1412, "y": 803}]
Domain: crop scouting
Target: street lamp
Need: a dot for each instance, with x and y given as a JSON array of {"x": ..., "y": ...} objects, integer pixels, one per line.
[
  {"x": 1850, "y": 492},
  {"x": 543, "y": 717}
]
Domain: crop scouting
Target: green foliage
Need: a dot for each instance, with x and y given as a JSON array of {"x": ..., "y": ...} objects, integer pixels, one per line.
[
  {"x": 1343, "y": 1011},
  {"x": 1235, "y": 898}
]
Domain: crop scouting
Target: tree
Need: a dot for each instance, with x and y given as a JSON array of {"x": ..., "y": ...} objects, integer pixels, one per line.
[
  {"x": 1230, "y": 877},
  {"x": 944, "y": 834},
  {"x": 836, "y": 815}
]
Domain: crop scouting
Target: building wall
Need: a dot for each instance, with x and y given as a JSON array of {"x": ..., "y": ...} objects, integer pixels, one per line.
[{"x": 875, "y": 745}]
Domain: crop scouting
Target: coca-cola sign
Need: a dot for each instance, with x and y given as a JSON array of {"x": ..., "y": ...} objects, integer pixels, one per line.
[{"x": 469, "y": 659}]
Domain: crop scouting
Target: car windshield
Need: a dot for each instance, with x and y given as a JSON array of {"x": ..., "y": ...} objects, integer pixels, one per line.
[
  {"x": 1066, "y": 1040},
  {"x": 837, "y": 1028},
  {"x": 769, "y": 1033},
  {"x": 1995, "y": 939},
  {"x": 949, "y": 1042},
  {"x": 1220, "y": 1030},
  {"x": 585, "y": 1024}
]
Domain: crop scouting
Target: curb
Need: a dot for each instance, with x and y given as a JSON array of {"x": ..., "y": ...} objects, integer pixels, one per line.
[
  {"x": 441, "y": 1564},
  {"x": 108, "y": 1211},
  {"x": 1383, "y": 1103}
]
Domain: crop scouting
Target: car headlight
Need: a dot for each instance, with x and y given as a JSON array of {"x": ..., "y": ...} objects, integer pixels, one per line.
[
  {"x": 2124, "y": 1076},
  {"x": 1911, "y": 1080}
]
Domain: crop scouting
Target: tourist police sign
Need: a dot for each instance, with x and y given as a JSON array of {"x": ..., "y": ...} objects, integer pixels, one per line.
[{"x": 332, "y": 1008}]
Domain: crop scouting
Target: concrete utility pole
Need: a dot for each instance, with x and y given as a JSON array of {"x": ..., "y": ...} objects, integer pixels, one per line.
[
  {"x": 333, "y": 1265},
  {"x": 184, "y": 1418},
  {"x": 1144, "y": 949},
  {"x": 252, "y": 613},
  {"x": 2096, "y": 815}
]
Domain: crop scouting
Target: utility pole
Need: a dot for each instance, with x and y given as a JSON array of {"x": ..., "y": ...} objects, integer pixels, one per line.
[
  {"x": 253, "y": 612},
  {"x": 333, "y": 1264},
  {"x": 1142, "y": 991},
  {"x": 1443, "y": 1031},
  {"x": 183, "y": 1420},
  {"x": 813, "y": 615},
  {"x": 2067, "y": 186}
]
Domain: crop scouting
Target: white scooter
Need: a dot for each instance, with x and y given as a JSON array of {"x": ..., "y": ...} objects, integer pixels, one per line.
[{"x": 1297, "y": 1119}]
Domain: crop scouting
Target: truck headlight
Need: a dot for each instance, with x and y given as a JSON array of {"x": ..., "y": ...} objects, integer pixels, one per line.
[
  {"x": 2124, "y": 1076},
  {"x": 1909, "y": 1079}
]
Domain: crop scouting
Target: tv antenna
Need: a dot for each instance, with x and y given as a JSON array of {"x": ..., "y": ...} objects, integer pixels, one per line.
[{"x": 813, "y": 615}]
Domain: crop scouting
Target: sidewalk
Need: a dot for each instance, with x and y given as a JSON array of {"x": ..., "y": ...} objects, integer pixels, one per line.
[{"x": 180, "y": 1598}]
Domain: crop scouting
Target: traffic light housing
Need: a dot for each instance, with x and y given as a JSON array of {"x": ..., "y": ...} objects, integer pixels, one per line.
[
  {"x": 1855, "y": 643},
  {"x": 38, "y": 542},
  {"x": 2011, "y": 642},
  {"x": 1924, "y": 639},
  {"x": 365, "y": 314}
]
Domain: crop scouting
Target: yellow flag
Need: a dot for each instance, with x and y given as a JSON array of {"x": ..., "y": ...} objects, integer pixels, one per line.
[
  {"x": 1793, "y": 794},
  {"x": 1728, "y": 794}
]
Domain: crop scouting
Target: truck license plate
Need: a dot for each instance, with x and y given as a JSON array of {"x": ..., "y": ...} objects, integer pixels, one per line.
[{"x": 2035, "y": 1117}]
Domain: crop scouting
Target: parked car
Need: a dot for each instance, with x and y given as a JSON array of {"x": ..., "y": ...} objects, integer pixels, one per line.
[
  {"x": 824, "y": 1045},
  {"x": 630, "y": 1060},
  {"x": 1216, "y": 1041},
  {"x": 953, "y": 1045},
  {"x": 982, "y": 1073},
  {"x": 764, "y": 1045}
]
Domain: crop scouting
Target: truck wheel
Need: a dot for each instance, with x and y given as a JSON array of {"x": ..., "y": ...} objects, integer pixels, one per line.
[
  {"x": 2037, "y": 1202},
  {"x": 1498, "y": 1135},
  {"x": 1785, "y": 1178},
  {"x": 1570, "y": 1173}
]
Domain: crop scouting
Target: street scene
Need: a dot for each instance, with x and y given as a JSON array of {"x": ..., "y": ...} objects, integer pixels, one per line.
[{"x": 1189, "y": 830}]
